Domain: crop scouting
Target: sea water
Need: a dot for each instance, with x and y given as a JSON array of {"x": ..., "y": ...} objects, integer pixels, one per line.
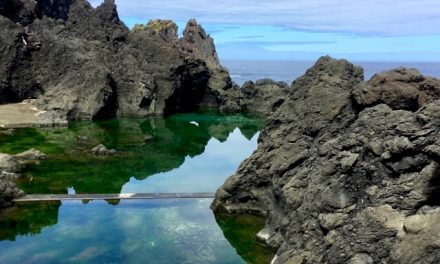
[
  {"x": 193, "y": 152},
  {"x": 287, "y": 71}
]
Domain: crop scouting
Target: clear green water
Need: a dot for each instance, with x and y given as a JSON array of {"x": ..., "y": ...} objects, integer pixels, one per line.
[
  {"x": 183, "y": 231},
  {"x": 177, "y": 157},
  {"x": 180, "y": 157}
]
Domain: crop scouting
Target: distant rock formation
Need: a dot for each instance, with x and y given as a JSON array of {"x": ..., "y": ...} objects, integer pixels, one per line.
[{"x": 347, "y": 171}]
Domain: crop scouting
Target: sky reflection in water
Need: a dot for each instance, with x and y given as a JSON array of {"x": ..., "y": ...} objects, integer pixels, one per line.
[
  {"x": 172, "y": 231},
  {"x": 154, "y": 155},
  {"x": 203, "y": 173}
]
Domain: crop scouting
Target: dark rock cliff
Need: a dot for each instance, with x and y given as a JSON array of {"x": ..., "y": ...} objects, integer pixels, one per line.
[
  {"x": 82, "y": 62},
  {"x": 347, "y": 171}
]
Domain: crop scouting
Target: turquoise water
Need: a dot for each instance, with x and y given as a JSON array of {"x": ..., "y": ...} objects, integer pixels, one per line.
[
  {"x": 171, "y": 154},
  {"x": 171, "y": 231}
]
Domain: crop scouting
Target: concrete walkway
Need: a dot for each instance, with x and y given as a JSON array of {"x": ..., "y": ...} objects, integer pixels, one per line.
[{"x": 122, "y": 196}]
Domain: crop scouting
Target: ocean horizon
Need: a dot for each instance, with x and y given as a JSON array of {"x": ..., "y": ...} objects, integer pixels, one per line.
[{"x": 287, "y": 71}]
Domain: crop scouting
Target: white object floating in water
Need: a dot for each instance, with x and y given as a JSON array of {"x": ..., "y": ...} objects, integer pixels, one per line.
[{"x": 194, "y": 123}]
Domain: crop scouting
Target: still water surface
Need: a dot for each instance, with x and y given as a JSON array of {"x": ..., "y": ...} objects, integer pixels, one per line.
[
  {"x": 171, "y": 231},
  {"x": 154, "y": 155}
]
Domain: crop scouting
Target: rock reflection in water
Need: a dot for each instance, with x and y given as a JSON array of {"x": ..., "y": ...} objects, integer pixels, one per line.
[
  {"x": 240, "y": 231},
  {"x": 145, "y": 147},
  {"x": 167, "y": 231},
  {"x": 123, "y": 231},
  {"x": 27, "y": 219}
]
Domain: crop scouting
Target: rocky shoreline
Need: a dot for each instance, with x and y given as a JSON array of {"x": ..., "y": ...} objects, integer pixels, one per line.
[
  {"x": 80, "y": 62},
  {"x": 347, "y": 171},
  {"x": 10, "y": 166},
  {"x": 65, "y": 61}
]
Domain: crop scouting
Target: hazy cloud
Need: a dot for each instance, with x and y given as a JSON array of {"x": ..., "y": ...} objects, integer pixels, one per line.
[
  {"x": 287, "y": 42},
  {"x": 371, "y": 17},
  {"x": 252, "y": 37}
]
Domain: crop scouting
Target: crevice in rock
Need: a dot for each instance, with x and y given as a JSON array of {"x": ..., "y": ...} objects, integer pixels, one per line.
[
  {"x": 277, "y": 104},
  {"x": 17, "y": 11},
  {"x": 407, "y": 162},
  {"x": 312, "y": 133},
  {"x": 190, "y": 90},
  {"x": 145, "y": 103},
  {"x": 434, "y": 191},
  {"x": 57, "y": 9},
  {"x": 21, "y": 84},
  {"x": 110, "y": 105}
]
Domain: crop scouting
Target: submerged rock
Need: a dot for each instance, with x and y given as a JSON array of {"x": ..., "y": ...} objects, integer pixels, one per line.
[
  {"x": 31, "y": 155},
  {"x": 103, "y": 151},
  {"x": 8, "y": 132},
  {"x": 9, "y": 167},
  {"x": 342, "y": 176}
]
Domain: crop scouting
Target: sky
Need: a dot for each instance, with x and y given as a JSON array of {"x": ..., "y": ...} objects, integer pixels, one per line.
[{"x": 364, "y": 30}]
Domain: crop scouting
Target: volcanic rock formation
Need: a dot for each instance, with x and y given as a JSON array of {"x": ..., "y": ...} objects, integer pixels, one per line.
[
  {"x": 81, "y": 62},
  {"x": 9, "y": 167},
  {"x": 347, "y": 171}
]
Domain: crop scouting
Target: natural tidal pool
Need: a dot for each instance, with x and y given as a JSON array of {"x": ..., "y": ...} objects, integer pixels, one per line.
[
  {"x": 164, "y": 231},
  {"x": 154, "y": 154},
  {"x": 192, "y": 152}
]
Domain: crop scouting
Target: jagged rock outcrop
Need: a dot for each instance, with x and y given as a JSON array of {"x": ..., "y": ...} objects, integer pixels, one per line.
[
  {"x": 10, "y": 165},
  {"x": 84, "y": 63},
  {"x": 347, "y": 171},
  {"x": 81, "y": 62},
  {"x": 264, "y": 96},
  {"x": 8, "y": 187},
  {"x": 401, "y": 88}
]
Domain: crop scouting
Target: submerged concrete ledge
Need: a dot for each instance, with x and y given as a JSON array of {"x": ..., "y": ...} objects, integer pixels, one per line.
[{"x": 119, "y": 196}]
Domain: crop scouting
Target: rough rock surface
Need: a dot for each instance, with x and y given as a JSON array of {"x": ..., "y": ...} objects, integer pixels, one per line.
[
  {"x": 264, "y": 96},
  {"x": 8, "y": 163},
  {"x": 31, "y": 155},
  {"x": 9, "y": 167},
  {"x": 82, "y": 62},
  {"x": 8, "y": 187},
  {"x": 102, "y": 150},
  {"x": 401, "y": 88},
  {"x": 344, "y": 176}
]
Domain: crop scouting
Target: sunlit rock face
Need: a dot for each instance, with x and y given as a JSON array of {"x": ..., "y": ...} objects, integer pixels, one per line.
[
  {"x": 84, "y": 63},
  {"x": 347, "y": 171}
]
